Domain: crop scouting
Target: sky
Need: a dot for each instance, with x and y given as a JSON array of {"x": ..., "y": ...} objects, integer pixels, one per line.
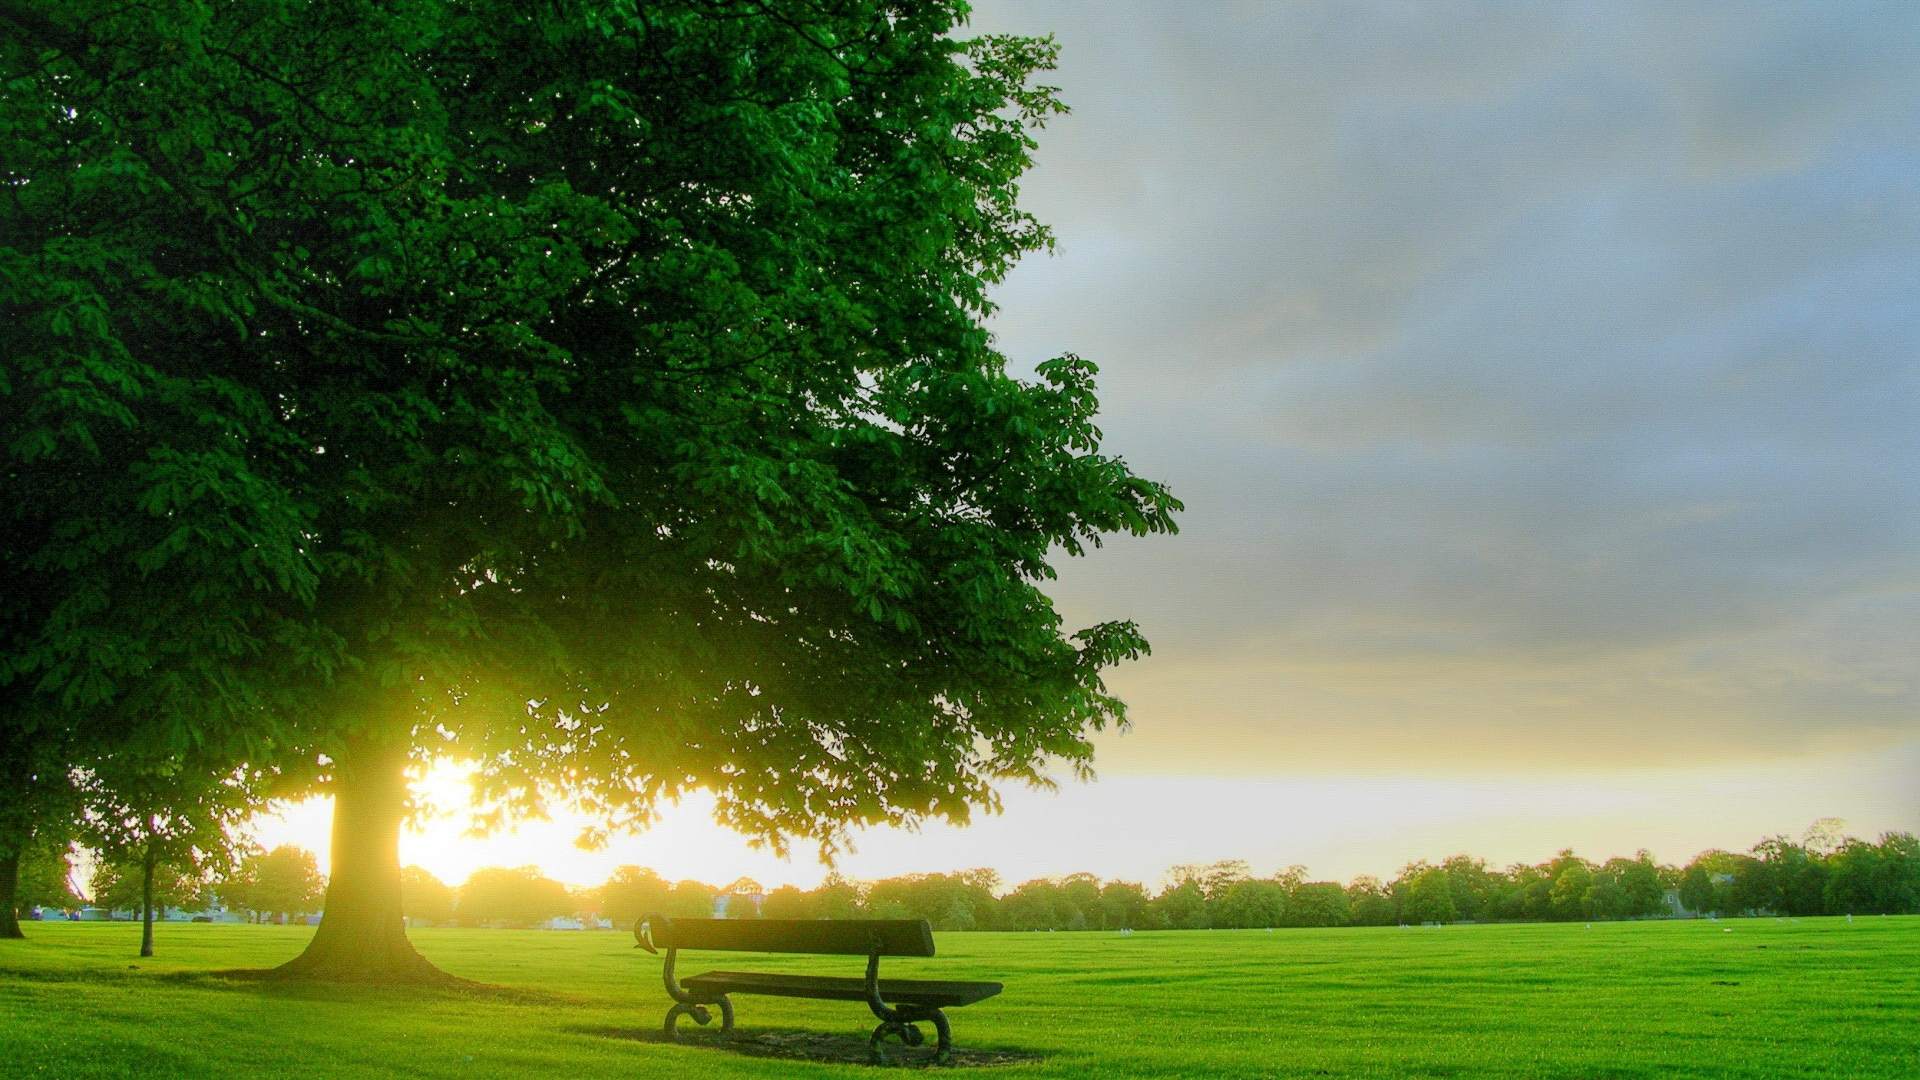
[{"x": 1541, "y": 383}]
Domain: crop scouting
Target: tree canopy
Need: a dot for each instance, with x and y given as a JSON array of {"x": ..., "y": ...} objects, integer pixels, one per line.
[{"x": 600, "y": 392}]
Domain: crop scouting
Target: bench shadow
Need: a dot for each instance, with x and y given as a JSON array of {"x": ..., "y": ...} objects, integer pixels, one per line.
[{"x": 799, "y": 1044}]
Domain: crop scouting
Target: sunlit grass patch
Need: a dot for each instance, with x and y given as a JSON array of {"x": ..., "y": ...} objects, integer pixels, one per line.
[{"x": 1737, "y": 998}]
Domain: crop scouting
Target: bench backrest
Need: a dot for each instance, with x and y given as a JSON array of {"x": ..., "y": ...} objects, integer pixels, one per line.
[{"x": 861, "y": 937}]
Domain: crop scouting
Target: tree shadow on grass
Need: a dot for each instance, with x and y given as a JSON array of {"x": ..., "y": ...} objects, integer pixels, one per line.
[
  {"x": 794, "y": 1044},
  {"x": 271, "y": 982}
]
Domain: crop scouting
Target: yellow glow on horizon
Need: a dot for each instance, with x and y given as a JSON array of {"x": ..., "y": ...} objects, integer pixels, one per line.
[{"x": 1136, "y": 826}]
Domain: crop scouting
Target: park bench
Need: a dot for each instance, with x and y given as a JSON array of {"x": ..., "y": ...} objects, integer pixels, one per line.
[{"x": 901, "y": 1004}]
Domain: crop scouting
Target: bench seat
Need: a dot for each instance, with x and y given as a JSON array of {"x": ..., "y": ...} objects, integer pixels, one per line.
[{"x": 932, "y": 994}]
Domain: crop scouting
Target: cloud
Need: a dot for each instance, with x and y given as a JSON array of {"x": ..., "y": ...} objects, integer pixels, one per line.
[{"x": 1541, "y": 380}]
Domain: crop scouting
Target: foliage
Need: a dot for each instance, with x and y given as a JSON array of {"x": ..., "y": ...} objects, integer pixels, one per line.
[
  {"x": 1856, "y": 876},
  {"x": 117, "y": 887},
  {"x": 1250, "y": 904},
  {"x": 1425, "y": 896},
  {"x": 179, "y": 818},
  {"x": 1182, "y": 906},
  {"x": 521, "y": 896},
  {"x": 634, "y": 891},
  {"x": 962, "y": 901},
  {"x": 284, "y": 882},
  {"x": 425, "y": 898},
  {"x": 625, "y": 361},
  {"x": 46, "y": 878}
]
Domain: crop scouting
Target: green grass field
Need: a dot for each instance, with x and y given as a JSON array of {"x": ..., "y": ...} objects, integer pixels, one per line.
[{"x": 1738, "y": 998}]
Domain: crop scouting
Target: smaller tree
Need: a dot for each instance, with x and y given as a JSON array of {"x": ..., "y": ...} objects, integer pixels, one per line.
[
  {"x": 129, "y": 887},
  {"x": 171, "y": 816}
]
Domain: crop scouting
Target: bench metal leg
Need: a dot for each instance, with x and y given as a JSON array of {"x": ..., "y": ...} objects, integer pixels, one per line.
[
  {"x": 903, "y": 1025},
  {"x": 701, "y": 1015}
]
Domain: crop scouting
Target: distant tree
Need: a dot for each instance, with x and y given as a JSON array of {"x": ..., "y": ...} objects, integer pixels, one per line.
[
  {"x": 517, "y": 897},
  {"x": 1696, "y": 888},
  {"x": 283, "y": 882},
  {"x": 976, "y": 891},
  {"x": 1318, "y": 903},
  {"x": 1216, "y": 878},
  {"x": 1039, "y": 904},
  {"x": 1625, "y": 888},
  {"x": 1875, "y": 879},
  {"x": 1702, "y": 888},
  {"x": 838, "y": 898},
  {"x": 1528, "y": 893},
  {"x": 742, "y": 898},
  {"x": 690, "y": 898},
  {"x": 1752, "y": 890},
  {"x": 1182, "y": 906},
  {"x": 1249, "y": 904},
  {"x": 633, "y": 892},
  {"x": 1569, "y": 898},
  {"x": 962, "y": 901},
  {"x": 1793, "y": 878},
  {"x": 1426, "y": 896},
  {"x": 1825, "y": 836},
  {"x": 1472, "y": 886},
  {"x": 1607, "y": 896},
  {"x": 1370, "y": 902},
  {"x": 787, "y": 902},
  {"x": 1080, "y": 901},
  {"x": 1124, "y": 905},
  {"x": 424, "y": 898}
]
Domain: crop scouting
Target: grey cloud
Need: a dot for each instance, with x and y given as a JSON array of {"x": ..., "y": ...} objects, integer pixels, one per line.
[{"x": 1541, "y": 371}]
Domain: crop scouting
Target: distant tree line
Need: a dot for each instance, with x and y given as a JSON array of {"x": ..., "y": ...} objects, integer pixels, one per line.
[
  {"x": 258, "y": 884},
  {"x": 1823, "y": 873}
]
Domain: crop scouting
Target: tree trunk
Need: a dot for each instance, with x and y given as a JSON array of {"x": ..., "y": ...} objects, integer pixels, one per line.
[
  {"x": 9, "y": 892},
  {"x": 146, "y": 905},
  {"x": 361, "y": 934}
]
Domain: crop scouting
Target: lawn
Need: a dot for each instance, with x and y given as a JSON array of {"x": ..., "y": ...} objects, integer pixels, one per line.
[{"x": 1736, "y": 998}]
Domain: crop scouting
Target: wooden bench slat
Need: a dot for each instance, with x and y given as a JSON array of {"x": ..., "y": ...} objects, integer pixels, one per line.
[{"x": 936, "y": 994}]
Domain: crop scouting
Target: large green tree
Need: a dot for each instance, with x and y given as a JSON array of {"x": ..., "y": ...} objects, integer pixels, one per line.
[{"x": 600, "y": 390}]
